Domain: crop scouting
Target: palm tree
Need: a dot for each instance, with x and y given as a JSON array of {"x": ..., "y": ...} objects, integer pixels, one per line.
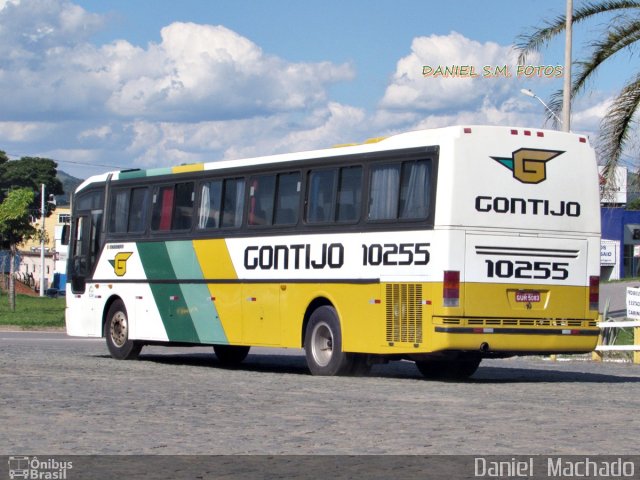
[{"x": 622, "y": 33}]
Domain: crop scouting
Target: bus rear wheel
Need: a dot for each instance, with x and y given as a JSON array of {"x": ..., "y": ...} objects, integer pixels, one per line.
[
  {"x": 231, "y": 355},
  {"x": 323, "y": 344},
  {"x": 458, "y": 368},
  {"x": 116, "y": 331}
]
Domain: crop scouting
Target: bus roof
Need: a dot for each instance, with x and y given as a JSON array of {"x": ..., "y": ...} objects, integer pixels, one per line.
[{"x": 416, "y": 138}]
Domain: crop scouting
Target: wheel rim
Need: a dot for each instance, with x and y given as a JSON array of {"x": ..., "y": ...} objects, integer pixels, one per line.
[
  {"x": 322, "y": 344},
  {"x": 119, "y": 330}
]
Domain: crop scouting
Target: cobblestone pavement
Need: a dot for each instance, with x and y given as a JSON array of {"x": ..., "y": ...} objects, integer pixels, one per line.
[{"x": 67, "y": 396}]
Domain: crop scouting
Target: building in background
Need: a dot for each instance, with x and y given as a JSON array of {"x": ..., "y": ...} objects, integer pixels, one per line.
[
  {"x": 55, "y": 253},
  {"x": 620, "y": 247}
]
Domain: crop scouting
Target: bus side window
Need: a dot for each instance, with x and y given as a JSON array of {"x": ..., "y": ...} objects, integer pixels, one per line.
[
  {"x": 349, "y": 194},
  {"x": 320, "y": 205},
  {"x": 183, "y": 208},
  {"x": 210, "y": 203},
  {"x": 162, "y": 208},
  {"x": 383, "y": 196},
  {"x": 415, "y": 190},
  {"x": 138, "y": 210},
  {"x": 118, "y": 211},
  {"x": 287, "y": 199},
  {"x": 232, "y": 202},
  {"x": 261, "y": 197}
]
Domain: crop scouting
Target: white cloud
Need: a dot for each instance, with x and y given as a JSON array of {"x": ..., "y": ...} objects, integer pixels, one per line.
[
  {"x": 195, "y": 73},
  {"x": 168, "y": 143},
  {"x": 32, "y": 26},
  {"x": 25, "y": 131},
  {"x": 586, "y": 116},
  {"x": 204, "y": 93},
  {"x": 210, "y": 72}
]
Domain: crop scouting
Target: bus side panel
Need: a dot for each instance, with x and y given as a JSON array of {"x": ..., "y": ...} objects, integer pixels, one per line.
[
  {"x": 357, "y": 305},
  {"x": 224, "y": 287},
  {"x": 82, "y": 318}
]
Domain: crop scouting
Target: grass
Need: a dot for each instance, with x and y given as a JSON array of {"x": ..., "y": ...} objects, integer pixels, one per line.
[
  {"x": 32, "y": 312},
  {"x": 625, "y": 336}
]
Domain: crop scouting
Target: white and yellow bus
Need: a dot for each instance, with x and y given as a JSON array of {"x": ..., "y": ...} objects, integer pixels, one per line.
[{"x": 441, "y": 246}]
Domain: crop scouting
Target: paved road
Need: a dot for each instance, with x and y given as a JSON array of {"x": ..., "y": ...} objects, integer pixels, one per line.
[{"x": 66, "y": 396}]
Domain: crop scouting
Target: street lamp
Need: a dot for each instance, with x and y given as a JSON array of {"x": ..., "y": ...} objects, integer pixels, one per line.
[{"x": 529, "y": 93}]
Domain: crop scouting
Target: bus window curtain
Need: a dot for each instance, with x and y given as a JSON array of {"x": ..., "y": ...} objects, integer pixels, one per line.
[
  {"x": 416, "y": 190},
  {"x": 203, "y": 215},
  {"x": 120, "y": 211},
  {"x": 239, "y": 203},
  {"x": 383, "y": 202},
  {"x": 166, "y": 212}
]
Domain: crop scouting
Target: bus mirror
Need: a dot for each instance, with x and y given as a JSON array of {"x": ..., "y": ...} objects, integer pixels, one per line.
[{"x": 65, "y": 235}]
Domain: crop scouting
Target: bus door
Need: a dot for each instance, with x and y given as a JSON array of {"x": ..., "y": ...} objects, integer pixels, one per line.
[{"x": 85, "y": 248}]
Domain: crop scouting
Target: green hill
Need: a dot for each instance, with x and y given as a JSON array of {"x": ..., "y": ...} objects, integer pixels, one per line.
[{"x": 69, "y": 184}]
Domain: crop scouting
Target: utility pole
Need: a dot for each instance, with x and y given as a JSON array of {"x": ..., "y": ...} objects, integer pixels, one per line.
[
  {"x": 566, "y": 94},
  {"x": 42, "y": 217}
]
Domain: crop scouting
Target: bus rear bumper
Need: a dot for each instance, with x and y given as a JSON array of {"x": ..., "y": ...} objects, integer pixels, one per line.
[{"x": 515, "y": 340}]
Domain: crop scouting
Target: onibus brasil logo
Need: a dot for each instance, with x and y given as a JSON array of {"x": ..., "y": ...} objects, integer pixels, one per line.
[
  {"x": 34, "y": 468},
  {"x": 529, "y": 165}
]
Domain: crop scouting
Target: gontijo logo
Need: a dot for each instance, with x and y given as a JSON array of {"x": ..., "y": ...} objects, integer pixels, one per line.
[
  {"x": 119, "y": 263},
  {"x": 529, "y": 165}
]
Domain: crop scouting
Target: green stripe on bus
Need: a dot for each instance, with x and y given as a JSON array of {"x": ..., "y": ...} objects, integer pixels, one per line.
[
  {"x": 159, "y": 171},
  {"x": 132, "y": 174},
  {"x": 197, "y": 296},
  {"x": 144, "y": 173},
  {"x": 169, "y": 297}
]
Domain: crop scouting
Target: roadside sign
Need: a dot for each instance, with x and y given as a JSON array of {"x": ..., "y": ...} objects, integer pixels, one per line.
[{"x": 633, "y": 303}]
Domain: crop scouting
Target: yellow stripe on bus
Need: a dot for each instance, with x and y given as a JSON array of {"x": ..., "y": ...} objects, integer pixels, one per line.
[
  {"x": 216, "y": 265},
  {"x": 194, "y": 167}
]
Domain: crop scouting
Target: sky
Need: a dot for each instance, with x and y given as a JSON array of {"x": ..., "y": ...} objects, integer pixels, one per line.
[{"x": 104, "y": 85}]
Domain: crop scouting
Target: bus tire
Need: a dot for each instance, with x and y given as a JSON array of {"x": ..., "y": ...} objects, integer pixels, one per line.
[
  {"x": 459, "y": 368},
  {"x": 323, "y": 344},
  {"x": 231, "y": 355},
  {"x": 116, "y": 331}
]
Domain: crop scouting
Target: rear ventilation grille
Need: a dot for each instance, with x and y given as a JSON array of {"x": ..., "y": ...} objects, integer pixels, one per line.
[
  {"x": 404, "y": 312},
  {"x": 520, "y": 322}
]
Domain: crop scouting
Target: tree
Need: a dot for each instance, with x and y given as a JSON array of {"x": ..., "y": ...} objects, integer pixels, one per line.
[
  {"x": 30, "y": 172},
  {"x": 15, "y": 227},
  {"x": 621, "y": 35}
]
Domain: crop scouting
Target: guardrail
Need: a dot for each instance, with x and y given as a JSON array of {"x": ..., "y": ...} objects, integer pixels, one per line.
[{"x": 635, "y": 348}]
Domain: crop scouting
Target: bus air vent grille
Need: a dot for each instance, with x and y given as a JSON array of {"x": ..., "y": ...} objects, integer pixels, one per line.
[{"x": 404, "y": 312}]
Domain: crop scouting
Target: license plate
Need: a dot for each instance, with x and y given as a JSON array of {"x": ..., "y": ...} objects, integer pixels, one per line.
[{"x": 528, "y": 297}]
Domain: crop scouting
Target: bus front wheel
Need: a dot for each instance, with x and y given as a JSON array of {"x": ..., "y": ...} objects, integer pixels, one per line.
[
  {"x": 116, "y": 331},
  {"x": 323, "y": 344}
]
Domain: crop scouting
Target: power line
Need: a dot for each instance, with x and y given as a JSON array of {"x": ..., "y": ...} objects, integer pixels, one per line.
[
  {"x": 115, "y": 167},
  {"x": 88, "y": 164}
]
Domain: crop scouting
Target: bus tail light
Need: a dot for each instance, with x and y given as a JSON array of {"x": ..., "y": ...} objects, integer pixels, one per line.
[
  {"x": 594, "y": 292},
  {"x": 451, "y": 288}
]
